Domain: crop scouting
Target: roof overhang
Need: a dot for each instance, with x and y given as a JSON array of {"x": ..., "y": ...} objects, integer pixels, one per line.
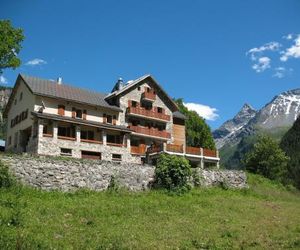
[{"x": 81, "y": 122}]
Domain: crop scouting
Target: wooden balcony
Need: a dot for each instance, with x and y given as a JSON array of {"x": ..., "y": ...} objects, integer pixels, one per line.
[
  {"x": 152, "y": 132},
  {"x": 66, "y": 138},
  {"x": 193, "y": 150},
  {"x": 196, "y": 151},
  {"x": 91, "y": 141},
  {"x": 148, "y": 113},
  {"x": 209, "y": 152},
  {"x": 149, "y": 96},
  {"x": 138, "y": 150},
  {"x": 175, "y": 148}
]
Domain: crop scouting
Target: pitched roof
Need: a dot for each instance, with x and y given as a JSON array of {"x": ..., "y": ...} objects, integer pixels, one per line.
[
  {"x": 64, "y": 91},
  {"x": 138, "y": 80}
]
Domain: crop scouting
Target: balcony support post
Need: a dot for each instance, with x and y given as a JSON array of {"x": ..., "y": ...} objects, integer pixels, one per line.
[
  {"x": 104, "y": 137},
  {"x": 55, "y": 130},
  {"x": 78, "y": 133}
]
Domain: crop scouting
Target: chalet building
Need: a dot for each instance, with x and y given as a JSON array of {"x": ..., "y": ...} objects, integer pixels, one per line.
[{"x": 135, "y": 123}]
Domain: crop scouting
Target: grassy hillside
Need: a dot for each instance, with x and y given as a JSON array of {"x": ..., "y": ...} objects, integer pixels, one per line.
[{"x": 265, "y": 216}]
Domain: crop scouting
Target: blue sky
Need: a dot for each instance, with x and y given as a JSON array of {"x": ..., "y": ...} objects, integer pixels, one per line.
[{"x": 220, "y": 54}]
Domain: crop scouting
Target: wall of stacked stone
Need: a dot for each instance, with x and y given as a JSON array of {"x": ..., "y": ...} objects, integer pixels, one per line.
[
  {"x": 52, "y": 173},
  {"x": 217, "y": 177}
]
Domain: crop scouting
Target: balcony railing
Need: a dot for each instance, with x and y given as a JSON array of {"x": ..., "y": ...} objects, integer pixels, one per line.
[
  {"x": 149, "y": 96},
  {"x": 66, "y": 138},
  {"x": 150, "y": 131},
  {"x": 193, "y": 150},
  {"x": 197, "y": 151},
  {"x": 175, "y": 148},
  {"x": 91, "y": 141},
  {"x": 209, "y": 152},
  {"x": 138, "y": 150},
  {"x": 148, "y": 113}
]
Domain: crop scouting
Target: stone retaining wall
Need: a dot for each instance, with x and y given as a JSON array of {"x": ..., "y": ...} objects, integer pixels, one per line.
[
  {"x": 51, "y": 173},
  {"x": 217, "y": 177}
]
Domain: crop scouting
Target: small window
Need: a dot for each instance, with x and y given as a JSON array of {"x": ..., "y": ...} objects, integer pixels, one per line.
[
  {"x": 134, "y": 104},
  {"x": 90, "y": 155},
  {"x": 139, "y": 88},
  {"x": 9, "y": 140},
  {"x": 66, "y": 151},
  {"x": 15, "y": 101},
  {"x": 21, "y": 96},
  {"x": 116, "y": 157},
  {"x": 109, "y": 119},
  {"x": 159, "y": 110}
]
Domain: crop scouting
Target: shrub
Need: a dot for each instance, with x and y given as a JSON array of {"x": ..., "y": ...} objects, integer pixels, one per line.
[
  {"x": 173, "y": 173},
  {"x": 6, "y": 180}
]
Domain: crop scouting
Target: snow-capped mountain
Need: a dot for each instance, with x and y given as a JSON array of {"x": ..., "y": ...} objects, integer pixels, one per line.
[
  {"x": 281, "y": 112},
  {"x": 229, "y": 130}
]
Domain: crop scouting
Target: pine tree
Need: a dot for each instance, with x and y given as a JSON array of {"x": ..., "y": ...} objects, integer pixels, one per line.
[{"x": 290, "y": 143}]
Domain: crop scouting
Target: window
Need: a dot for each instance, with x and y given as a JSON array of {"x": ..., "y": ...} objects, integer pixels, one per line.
[
  {"x": 90, "y": 155},
  {"x": 134, "y": 104},
  {"x": 109, "y": 119},
  {"x": 116, "y": 157},
  {"x": 45, "y": 129},
  {"x": 159, "y": 110},
  {"x": 139, "y": 88},
  {"x": 15, "y": 101},
  {"x": 9, "y": 140},
  {"x": 87, "y": 135},
  {"x": 78, "y": 113},
  {"x": 147, "y": 106},
  {"x": 66, "y": 131},
  {"x": 61, "y": 110},
  {"x": 66, "y": 151},
  {"x": 21, "y": 96},
  {"x": 114, "y": 139}
]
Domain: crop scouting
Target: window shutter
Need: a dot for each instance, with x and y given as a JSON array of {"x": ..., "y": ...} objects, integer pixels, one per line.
[
  {"x": 162, "y": 110},
  {"x": 84, "y": 114},
  {"x": 73, "y": 112},
  {"x": 114, "y": 120},
  {"x": 61, "y": 110},
  {"x": 104, "y": 118}
]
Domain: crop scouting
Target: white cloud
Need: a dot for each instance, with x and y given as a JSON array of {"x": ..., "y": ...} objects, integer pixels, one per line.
[
  {"x": 204, "y": 111},
  {"x": 271, "y": 46},
  {"x": 293, "y": 51},
  {"x": 288, "y": 37},
  {"x": 3, "y": 80},
  {"x": 281, "y": 72},
  {"x": 262, "y": 64},
  {"x": 35, "y": 62}
]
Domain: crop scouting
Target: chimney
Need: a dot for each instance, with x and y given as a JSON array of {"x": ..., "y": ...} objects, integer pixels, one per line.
[
  {"x": 120, "y": 83},
  {"x": 59, "y": 80}
]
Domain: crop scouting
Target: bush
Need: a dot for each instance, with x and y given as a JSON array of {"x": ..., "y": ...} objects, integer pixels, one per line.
[
  {"x": 6, "y": 180},
  {"x": 173, "y": 173}
]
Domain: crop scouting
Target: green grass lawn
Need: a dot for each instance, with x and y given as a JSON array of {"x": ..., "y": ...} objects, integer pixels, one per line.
[{"x": 266, "y": 216}]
